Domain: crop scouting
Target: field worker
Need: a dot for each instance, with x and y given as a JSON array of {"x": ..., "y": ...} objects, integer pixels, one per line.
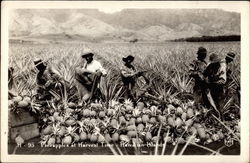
[
  {"x": 88, "y": 76},
  {"x": 129, "y": 74},
  {"x": 216, "y": 77},
  {"x": 48, "y": 79},
  {"x": 197, "y": 68}
]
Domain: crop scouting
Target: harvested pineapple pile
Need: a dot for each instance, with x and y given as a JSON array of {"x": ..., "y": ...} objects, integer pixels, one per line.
[
  {"x": 143, "y": 124},
  {"x": 124, "y": 123},
  {"x": 19, "y": 102}
]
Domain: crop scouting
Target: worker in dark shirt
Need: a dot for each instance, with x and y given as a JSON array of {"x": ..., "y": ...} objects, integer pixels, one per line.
[{"x": 196, "y": 71}]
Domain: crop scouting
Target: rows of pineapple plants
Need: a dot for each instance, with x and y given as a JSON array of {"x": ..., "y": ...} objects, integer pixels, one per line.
[{"x": 163, "y": 62}]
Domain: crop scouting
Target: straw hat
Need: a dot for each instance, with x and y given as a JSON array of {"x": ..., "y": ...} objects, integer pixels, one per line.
[
  {"x": 214, "y": 58},
  {"x": 87, "y": 53},
  {"x": 230, "y": 55},
  {"x": 38, "y": 61},
  {"x": 129, "y": 58}
]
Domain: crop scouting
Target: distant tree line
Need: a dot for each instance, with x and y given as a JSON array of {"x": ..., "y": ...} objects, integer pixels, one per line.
[
  {"x": 133, "y": 40},
  {"x": 210, "y": 38}
]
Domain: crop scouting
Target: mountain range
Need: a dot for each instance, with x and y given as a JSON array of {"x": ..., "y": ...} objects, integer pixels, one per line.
[{"x": 126, "y": 25}]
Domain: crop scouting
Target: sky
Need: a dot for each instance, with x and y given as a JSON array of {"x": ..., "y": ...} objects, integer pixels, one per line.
[
  {"x": 116, "y": 6},
  {"x": 227, "y": 6},
  {"x": 113, "y": 10}
]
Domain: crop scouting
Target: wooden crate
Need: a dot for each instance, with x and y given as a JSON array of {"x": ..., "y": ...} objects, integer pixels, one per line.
[
  {"x": 23, "y": 118},
  {"x": 26, "y": 131},
  {"x": 24, "y": 124}
]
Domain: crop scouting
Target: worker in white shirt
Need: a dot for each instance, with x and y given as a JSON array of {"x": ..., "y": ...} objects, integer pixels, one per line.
[{"x": 88, "y": 76}]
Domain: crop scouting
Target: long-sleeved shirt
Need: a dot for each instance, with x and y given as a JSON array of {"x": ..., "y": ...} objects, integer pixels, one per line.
[
  {"x": 197, "y": 68},
  {"x": 127, "y": 71},
  {"x": 128, "y": 75},
  {"x": 95, "y": 66},
  {"x": 48, "y": 75},
  {"x": 86, "y": 72}
]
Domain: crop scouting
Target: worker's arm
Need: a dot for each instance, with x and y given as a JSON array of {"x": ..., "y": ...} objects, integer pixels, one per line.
[
  {"x": 222, "y": 75},
  {"x": 101, "y": 70},
  {"x": 195, "y": 71},
  {"x": 55, "y": 74},
  {"x": 82, "y": 70},
  {"x": 201, "y": 75},
  {"x": 56, "y": 78},
  {"x": 126, "y": 73},
  {"x": 192, "y": 72},
  {"x": 206, "y": 74},
  {"x": 86, "y": 71}
]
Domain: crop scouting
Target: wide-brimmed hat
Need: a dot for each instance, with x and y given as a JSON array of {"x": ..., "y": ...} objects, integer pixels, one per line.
[
  {"x": 129, "y": 58},
  {"x": 87, "y": 53},
  {"x": 215, "y": 58},
  {"x": 38, "y": 61},
  {"x": 202, "y": 50},
  {"x": 230, "y": 55}
]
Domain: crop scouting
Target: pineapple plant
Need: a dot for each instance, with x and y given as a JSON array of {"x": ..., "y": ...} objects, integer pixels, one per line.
[
  {"x": 162, "y": 119},
  {"x": 124, "y": 138},
  {"x": 190, "y": 113},
  {"x": 70, "y": 121},
  {"x": 83, "y": 136},
  {"x": 22, "y": 104},
  {"x": 131, "y": 121},
  {"x": 17, "y": 99},
  {"x": 67, "y": 140},
  {"x": 201, "y": 132},
  {"x": 131, "y": 127},
  {"x": 148, "y": 136},
  {"x": 86, "y": 112},
  {"x": 179, "y": 111},
  {"x": 51, "y": 138},
  {"x": 71, "y": 105},
  {"x": 178, "y": 122},
  {"x": 101, "y": 139},
  {"x": 51, "y": 141},
  {"x": 131, "y": 134},
  {"x": 93, "y": 138},
  {"x": 115, "y": 137},
  {"x": 47, "y": 130},
  {"x": 145, "y": 118},
  {"x": 136, "y": 112},
  {"x": 70, "y": 132},
  {"x": 107, "y": 137},
  {"x": 171, "y": 121},
  {"x": 102, "y": 114},
  {"x": 110, "y": 112},
  {"x": 122, "y": 120}
]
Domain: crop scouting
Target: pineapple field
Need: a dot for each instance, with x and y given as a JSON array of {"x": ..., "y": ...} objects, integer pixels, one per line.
[{"x": 164, "y": 122}]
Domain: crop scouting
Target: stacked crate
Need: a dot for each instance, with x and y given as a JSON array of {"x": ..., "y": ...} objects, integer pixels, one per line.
[{"x": 25, "y": 124}]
